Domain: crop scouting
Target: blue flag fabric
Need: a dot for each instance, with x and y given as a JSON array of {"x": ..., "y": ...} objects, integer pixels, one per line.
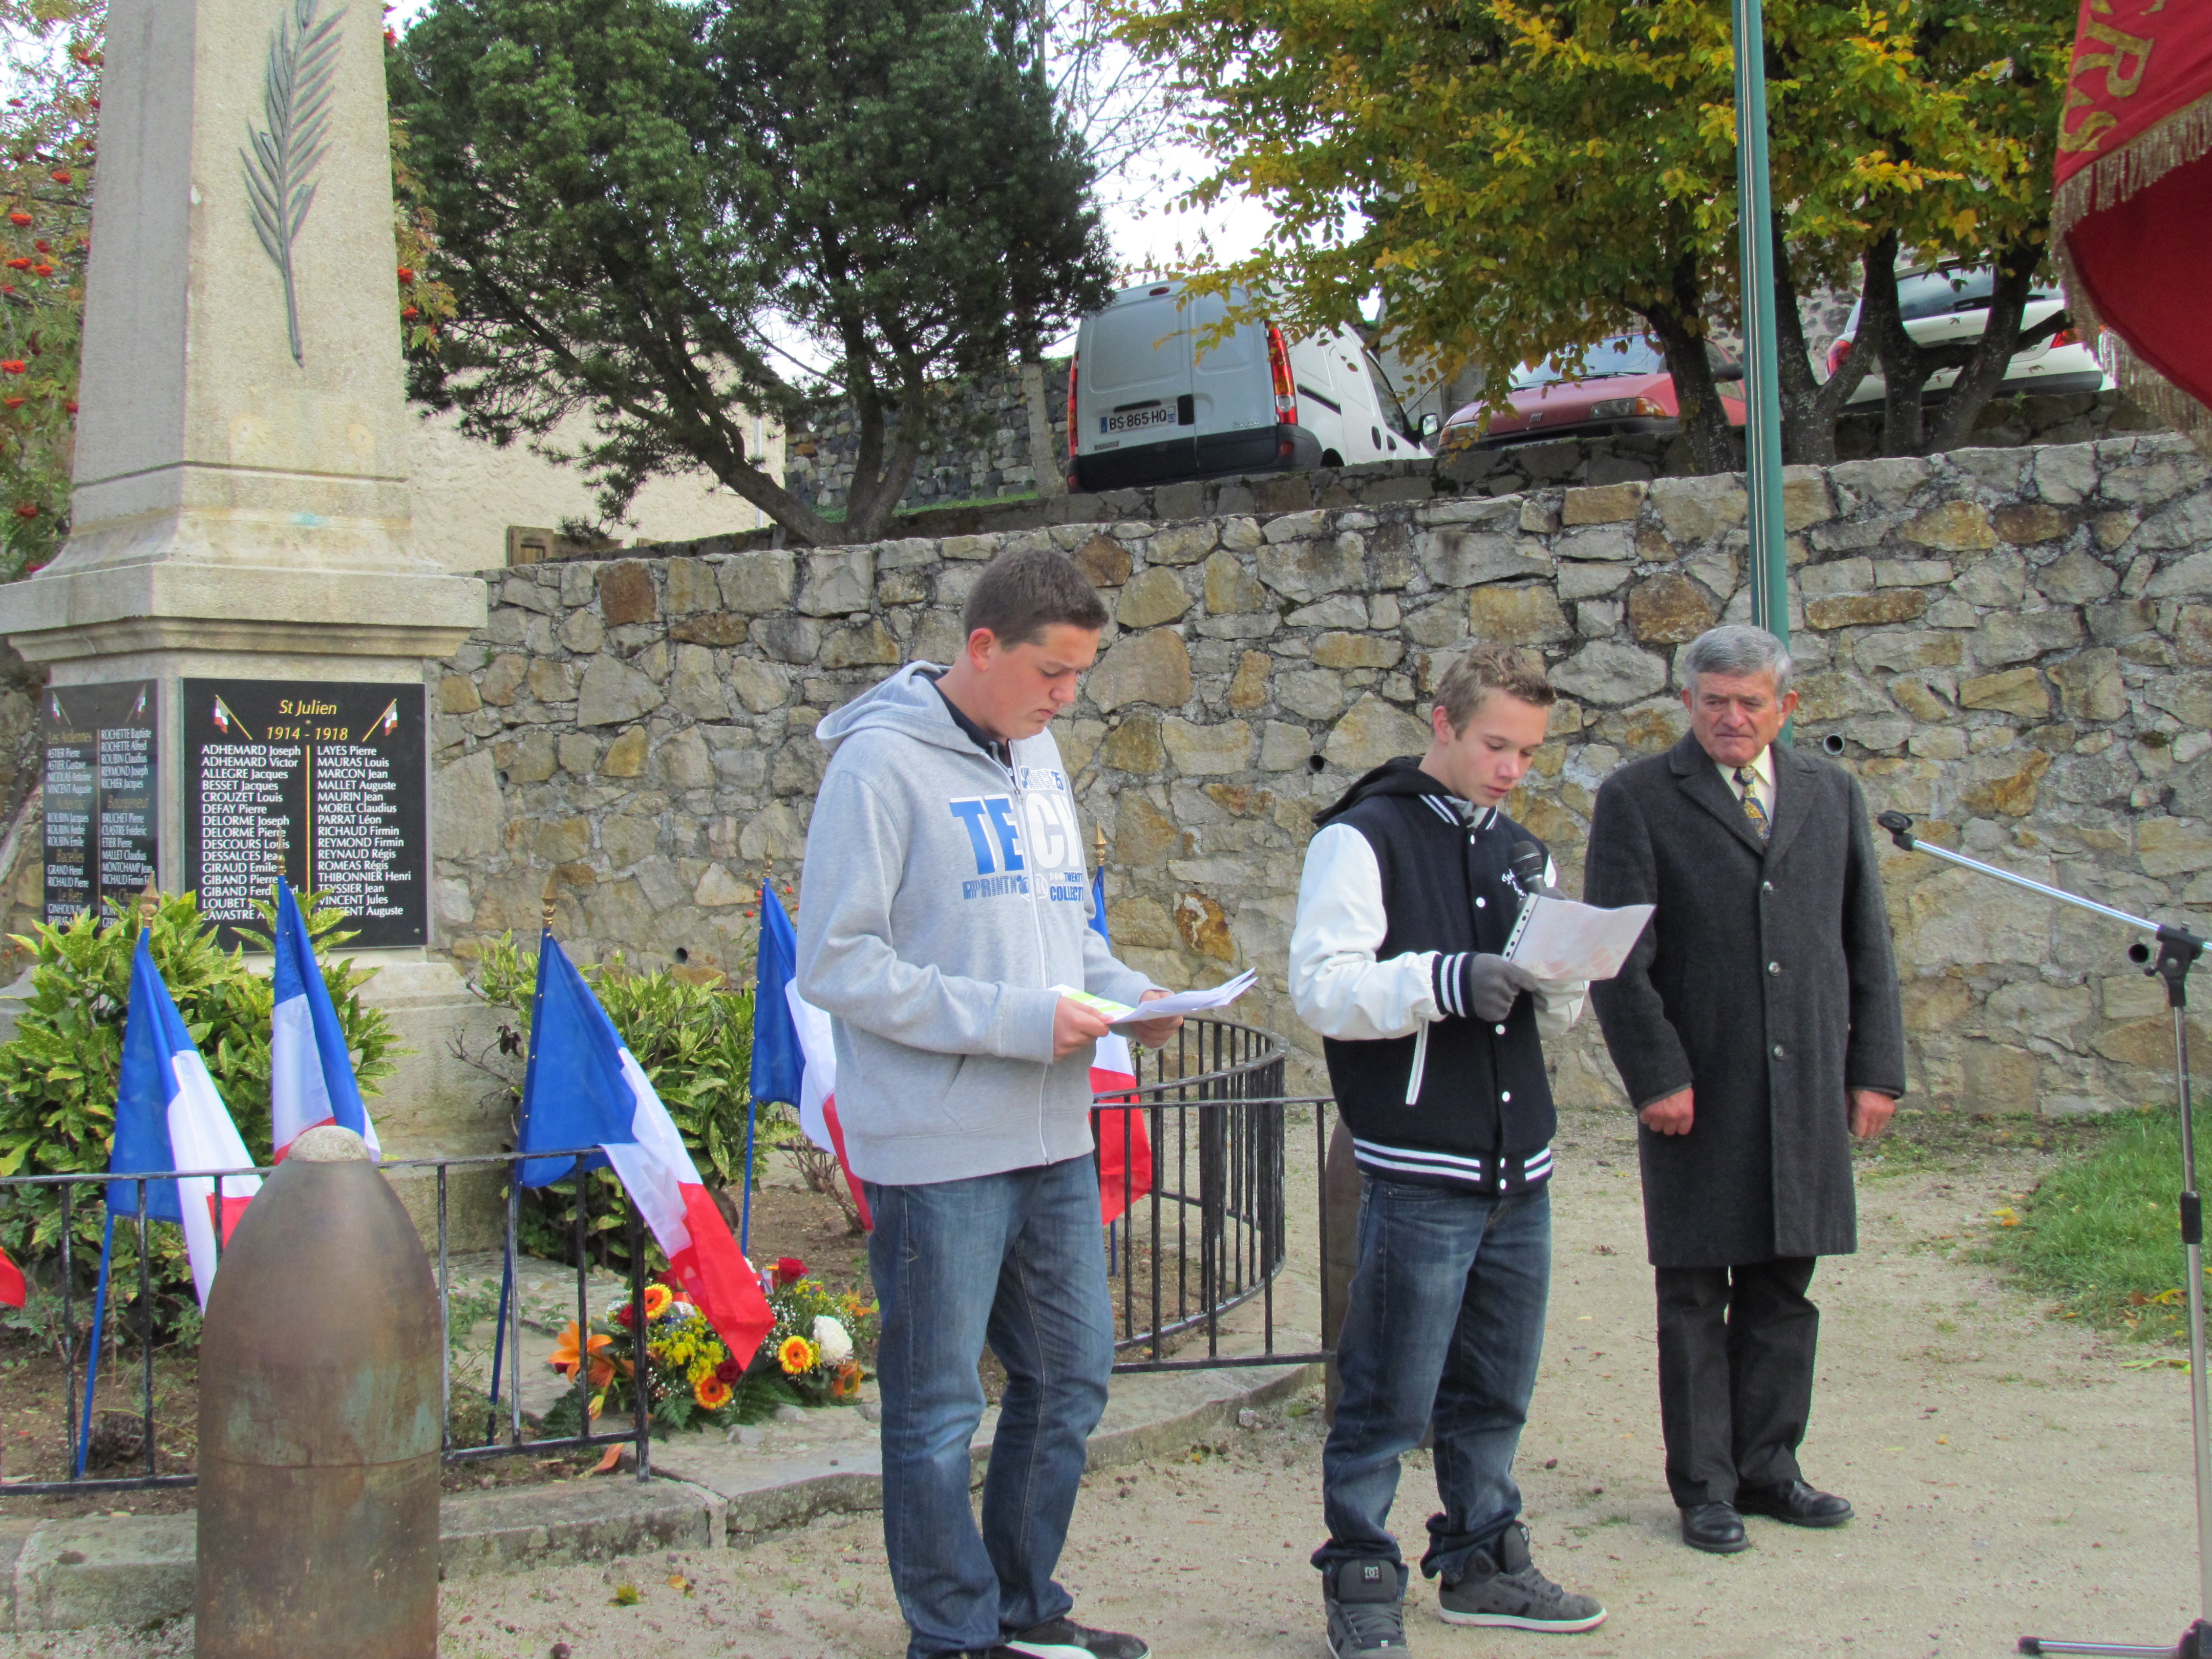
[
  {"x": 779, "y": 1062},
  {"x": 572, "y": 1041},
  {"x": 1098, "y": 905}
]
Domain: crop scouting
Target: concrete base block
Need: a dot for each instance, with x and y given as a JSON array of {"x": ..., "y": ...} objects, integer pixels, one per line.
[
  {"x": 124, "y": 1569},
  {"x": 506, "y": 1528}
]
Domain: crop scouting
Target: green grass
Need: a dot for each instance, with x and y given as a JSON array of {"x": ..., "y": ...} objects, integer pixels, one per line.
[{"x": 2101, "y": 1234}]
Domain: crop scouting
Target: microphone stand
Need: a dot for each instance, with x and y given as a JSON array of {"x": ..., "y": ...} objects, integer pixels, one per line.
[{"x": 2178, "y": 950}]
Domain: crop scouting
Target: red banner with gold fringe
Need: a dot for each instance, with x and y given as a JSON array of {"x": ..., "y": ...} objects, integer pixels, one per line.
[{"x": 2131, "y": 221}]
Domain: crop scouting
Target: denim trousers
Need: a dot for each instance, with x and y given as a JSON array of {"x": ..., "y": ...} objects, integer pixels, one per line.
[
  {"x": 1442, "y": 1332},
  {"x": 1015, "y": 1258}
]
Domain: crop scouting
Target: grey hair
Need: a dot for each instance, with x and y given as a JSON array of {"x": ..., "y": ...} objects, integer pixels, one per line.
[{"x": 1738, "y": 649}]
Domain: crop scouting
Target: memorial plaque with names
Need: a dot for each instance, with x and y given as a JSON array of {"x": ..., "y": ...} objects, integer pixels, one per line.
[
  {"x": 332, "y": 773},
  {"x": 100, "y": 823}
]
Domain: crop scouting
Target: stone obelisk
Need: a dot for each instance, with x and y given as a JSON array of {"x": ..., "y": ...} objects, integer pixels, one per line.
[{"x": 240, "y": 522}]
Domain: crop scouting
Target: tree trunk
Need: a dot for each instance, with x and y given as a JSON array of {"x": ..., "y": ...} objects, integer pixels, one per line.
[
  {"x": 1680, "y": 326},
  {"x": 881, "y": 470},
  {"x": 1810, "y": 407},
  {"x": 1984, "y": 370},
  {"x": 1905, "y": 367}
]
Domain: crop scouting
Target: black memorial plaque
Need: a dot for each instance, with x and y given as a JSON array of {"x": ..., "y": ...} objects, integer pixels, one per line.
[
  {"x": 333, "y": 773},
  {"x": 100, "y": 823}
]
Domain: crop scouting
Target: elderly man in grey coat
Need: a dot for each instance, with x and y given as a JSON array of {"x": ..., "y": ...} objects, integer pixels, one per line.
[{"x": 1758, "y": 1027}]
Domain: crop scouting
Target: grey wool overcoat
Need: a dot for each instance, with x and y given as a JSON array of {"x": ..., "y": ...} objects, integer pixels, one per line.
[{"x": 1764, "y": 983}]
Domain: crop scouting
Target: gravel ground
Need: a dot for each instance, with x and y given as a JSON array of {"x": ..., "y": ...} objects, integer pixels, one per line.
[{"x": 2012, "y": 1473}]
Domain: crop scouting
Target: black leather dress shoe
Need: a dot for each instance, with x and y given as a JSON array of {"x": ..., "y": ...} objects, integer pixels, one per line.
[
  {"x": 1716, "y": 1528},
  {"x": 1794, "y": 1501}
]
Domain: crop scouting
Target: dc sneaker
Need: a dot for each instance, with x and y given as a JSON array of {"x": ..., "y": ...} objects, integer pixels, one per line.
[{"x": 1503, "y": 1588}]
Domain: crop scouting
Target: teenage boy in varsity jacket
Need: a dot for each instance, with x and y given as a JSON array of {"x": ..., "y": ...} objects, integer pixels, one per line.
[{"x": 1433, "y": 1041}]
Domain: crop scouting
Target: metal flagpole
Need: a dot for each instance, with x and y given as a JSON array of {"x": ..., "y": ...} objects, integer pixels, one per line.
[{"x": 1762, "y": 427}]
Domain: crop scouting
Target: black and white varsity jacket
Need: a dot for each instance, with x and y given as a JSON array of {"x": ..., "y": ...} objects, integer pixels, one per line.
[{"x": 1403, "y": 882}]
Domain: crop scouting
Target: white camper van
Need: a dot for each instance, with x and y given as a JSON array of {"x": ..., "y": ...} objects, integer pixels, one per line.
[{"x": 1144, "y": 407}]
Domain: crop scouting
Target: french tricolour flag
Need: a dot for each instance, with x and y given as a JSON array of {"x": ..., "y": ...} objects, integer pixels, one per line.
[
  {"x": 168, "y": 1116},
  {"x": 584, "y": 1088},
  {"x": 13, "y": 1291},
  {"x": 311, "y": 1081},
  {"x": 794, "y": 1055},
  {"x": 1125, "y": 1148}
]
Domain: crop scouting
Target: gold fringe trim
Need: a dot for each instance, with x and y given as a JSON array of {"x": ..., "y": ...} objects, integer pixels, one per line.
[
  {"x": 2182, "y": 137},
  {"x": 2158, "y": 397}
]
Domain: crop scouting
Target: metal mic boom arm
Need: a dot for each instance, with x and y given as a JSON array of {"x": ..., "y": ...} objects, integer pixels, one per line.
[{"x": 2179, "y": 949}]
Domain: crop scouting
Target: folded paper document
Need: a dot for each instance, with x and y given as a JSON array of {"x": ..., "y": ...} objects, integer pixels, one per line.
[
  {"x": 1182, "y": 1002},
  {"x": 1558, "y": 939}
]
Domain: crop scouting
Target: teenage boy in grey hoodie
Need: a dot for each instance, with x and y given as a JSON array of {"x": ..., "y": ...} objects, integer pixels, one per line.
[{"x": 946, "y": 901}]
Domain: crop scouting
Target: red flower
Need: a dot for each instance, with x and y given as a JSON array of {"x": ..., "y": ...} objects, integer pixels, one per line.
[
  {"x": 14, "y": 365},
  {"x": 42, "y": 270},
  {"x": 11, "y": 403},
  {"x": 26, "y": 509},
  {"x": 409, "y": 315},
  {"x": 730, "y": 1370},
  {"x": 789, "y": 1270},
  {"x": 19, "y": 217},
  {"x": 7, "y": 288},
  {"x": 43, "y": 245},
  {"x": 61, "y": 175},
  {"x": 406, "y": 274},
  {"x": 94, "y": 102},
  {"x": 625, "y": 1315},
  {"x": 19, "y": 264},
  {"x": 391, "y": 37},
  {"x": 15, "y": 103},
  {"x": 70, "y": 405}
]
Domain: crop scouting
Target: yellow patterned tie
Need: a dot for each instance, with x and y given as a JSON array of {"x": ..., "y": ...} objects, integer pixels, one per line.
[{"x": 1752, "y": 809}]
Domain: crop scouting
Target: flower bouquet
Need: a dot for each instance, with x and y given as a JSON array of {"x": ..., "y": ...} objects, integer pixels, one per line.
[
  {"x": 691, "y": 1380},
  {"x": 814, "y": 1347}
]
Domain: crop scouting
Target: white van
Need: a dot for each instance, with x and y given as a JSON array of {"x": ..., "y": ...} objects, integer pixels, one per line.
[{"x": 1142, "y": 408}]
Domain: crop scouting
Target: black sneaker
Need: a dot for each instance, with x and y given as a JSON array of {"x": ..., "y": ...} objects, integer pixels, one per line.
[
  {"x": 1366, "y": 1608},
  {"x": 1501, "y": 1587},
  {"x": 1063, "y": 1638}
]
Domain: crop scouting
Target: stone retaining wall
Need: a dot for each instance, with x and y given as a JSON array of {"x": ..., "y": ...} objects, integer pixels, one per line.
[{"x": 2015, "y": 644}]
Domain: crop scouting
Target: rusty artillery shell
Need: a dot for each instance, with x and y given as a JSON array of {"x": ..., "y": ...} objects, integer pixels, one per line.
[{"x": 318, "y": 1438}]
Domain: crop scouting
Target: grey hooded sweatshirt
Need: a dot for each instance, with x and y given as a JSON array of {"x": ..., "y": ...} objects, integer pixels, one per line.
[{"x": 946, "y": 896}]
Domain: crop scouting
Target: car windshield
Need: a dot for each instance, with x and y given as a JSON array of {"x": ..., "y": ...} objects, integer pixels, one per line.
[
  {"x": 1939, "y": 293},
  {"x": 1627, "y": 353}
]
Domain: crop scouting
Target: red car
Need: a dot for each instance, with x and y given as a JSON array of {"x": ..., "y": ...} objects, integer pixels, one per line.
[{"x": 1622, "y": 385}]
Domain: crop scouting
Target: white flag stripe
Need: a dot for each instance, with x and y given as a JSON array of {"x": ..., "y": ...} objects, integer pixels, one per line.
[
  {"x": 202, "y": 1137},
  {"x": 819, "y": 1044},
  {"x": 298, "y": 1097}
]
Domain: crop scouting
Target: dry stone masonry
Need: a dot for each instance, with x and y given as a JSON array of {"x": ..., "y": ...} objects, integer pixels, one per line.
[{"x": 2014, "y": 644}]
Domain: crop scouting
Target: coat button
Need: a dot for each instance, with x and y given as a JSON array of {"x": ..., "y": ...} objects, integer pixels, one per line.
[
  {"x": 1773, "y": 967},
  {"x": 1482, "y": 904},
  {"x": 1500, "y": 1029},
  {"x": 1766, "y": 887},
  {"x": 1777, "y": 1051},
  {"x": 1504, "y": 1096}
]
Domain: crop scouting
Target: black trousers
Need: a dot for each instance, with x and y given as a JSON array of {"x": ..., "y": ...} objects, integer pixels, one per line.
[{"x": 1735, "y": 1374}]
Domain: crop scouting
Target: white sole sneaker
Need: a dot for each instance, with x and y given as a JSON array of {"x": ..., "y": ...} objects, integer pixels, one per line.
[{"x": 1519, "y": 1621}]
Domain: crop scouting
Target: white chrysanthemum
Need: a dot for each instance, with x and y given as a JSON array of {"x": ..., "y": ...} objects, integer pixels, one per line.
[{"x": 832, "y": 1338}]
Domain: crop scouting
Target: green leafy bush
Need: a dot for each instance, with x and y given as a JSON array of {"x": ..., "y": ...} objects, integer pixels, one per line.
[
  {"x": 694, "y": 1043},
  {"x": 58, "y": 1075}
]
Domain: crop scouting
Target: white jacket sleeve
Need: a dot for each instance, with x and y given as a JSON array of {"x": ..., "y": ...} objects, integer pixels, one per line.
[{"x": 1337, "y": 986}]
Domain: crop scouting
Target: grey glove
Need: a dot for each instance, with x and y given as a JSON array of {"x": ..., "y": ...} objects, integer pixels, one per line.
[{"x": 1487, "y": 986}]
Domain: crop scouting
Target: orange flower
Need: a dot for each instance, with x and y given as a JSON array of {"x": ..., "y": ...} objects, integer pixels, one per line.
[
  {"x": 657, "y": 1299},
  {"x": 711, "y": 1392},
  {"x": 847, "y": 1381},
  {"x": 796, "y": 1354},
  {"x": 565, "y": 1357}
]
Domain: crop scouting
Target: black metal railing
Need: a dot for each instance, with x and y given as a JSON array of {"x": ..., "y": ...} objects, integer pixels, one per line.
[
  {"x": 1196, "y": 1155},
  {"x": 1197, "y": 1151}
]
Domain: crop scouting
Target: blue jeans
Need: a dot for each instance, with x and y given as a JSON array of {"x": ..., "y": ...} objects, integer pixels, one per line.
[
  {"x": 1016, "y": 1258},
  {"x": 1444, "y": 1330}
]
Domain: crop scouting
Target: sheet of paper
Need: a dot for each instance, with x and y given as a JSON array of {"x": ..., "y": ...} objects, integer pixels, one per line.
[
  {"x": 1559, "y": 939},
  {"x": 1181, "y": 1002}
]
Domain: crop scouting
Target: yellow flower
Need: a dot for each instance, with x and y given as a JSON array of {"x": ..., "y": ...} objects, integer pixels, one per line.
[
  {"x": 797, "y": 1355},
  {"x": 711, "y": 1392},
  {"x": 657, "y": 1299}
]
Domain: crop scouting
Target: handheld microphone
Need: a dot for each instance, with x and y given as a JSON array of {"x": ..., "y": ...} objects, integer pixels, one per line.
[{"x": 1528, "y": 866}]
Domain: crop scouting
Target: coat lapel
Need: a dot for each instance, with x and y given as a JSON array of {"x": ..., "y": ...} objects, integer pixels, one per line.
[
  {"x": 1697, "y": 776},
  {"x": 1793, "y": 797}
]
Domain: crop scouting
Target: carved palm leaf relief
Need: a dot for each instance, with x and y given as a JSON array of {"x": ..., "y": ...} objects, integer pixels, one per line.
[{"x": 280, "y": 161}]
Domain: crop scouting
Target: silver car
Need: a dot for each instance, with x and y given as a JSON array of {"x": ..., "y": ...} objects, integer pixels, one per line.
[{"x": 1942, "y": 307}]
